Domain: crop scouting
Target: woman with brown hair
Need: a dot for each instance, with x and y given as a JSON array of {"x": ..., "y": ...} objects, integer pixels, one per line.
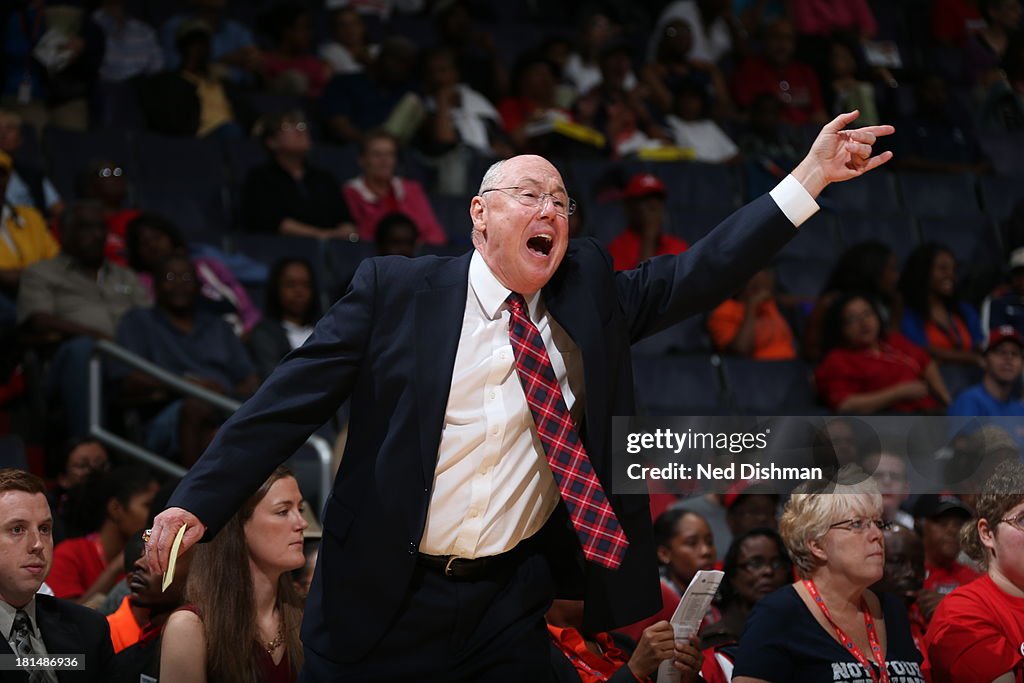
[{"x": 239, "y": 582}]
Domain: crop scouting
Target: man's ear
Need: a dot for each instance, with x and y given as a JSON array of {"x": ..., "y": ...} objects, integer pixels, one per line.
[{"x": 478, "y": 213}]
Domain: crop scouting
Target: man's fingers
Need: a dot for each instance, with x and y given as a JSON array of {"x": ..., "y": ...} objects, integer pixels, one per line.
[
  {"x": 841, "y": 121},
  {"x": 877, "y": 131},
  {"x": 876, "y": 161},
  {"x": 858, "y": 149}
]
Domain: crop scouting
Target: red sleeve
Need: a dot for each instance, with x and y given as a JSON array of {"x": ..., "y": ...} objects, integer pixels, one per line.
[
  {"x": 724, "y": 323},
  {"x": 669, "y": 602},
  {"x": 512, "y": 113},
  {"x": 360, "y": 211},
  {"x": 66, "y": 577},
  {"x": 836, "y": 379},
  {"x": 422, "y": 212},
  {"x": 745, "y": 83},
  {"x": 908, "y": 347},
  {"x": 965, "y": 644},
  {"x": 865, "y": 18},
  {"x": 624, "y": 255}
]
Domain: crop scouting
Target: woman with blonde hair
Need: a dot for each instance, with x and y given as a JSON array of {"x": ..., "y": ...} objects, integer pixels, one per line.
[
  {"x": 977, "y": 632},
  {"x": 828, "y": 622},
  {"x": 242, "y": 621}
]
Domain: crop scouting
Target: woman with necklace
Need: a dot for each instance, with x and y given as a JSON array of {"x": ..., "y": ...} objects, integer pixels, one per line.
[
  {"x": 241, "y": 581},
  {"x": 828, "y": 625}
]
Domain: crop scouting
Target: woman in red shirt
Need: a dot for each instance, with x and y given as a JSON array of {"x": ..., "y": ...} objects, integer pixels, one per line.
[
  {"x": 379, "y": 191},
  {"x": 866, "y": 371},
  {"x": 113, "y": 507},
  {"x": 977, "y": 633}
]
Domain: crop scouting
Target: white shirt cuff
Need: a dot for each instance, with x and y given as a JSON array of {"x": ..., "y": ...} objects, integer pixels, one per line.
[{"x": 794, "y": 200}]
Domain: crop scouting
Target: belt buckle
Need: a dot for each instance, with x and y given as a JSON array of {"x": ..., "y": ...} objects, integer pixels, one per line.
[{"x": 448, "y": 570}]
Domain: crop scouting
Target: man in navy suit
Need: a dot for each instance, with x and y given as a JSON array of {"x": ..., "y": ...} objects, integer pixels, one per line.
[
  {"x": 446, "y": 536},
  {"x": 34, "y": 625}
]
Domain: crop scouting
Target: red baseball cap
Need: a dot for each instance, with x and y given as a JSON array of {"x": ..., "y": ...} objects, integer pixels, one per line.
[
  {"x": 644, "y": 185},
  {"x": 1001, "y": 334}
]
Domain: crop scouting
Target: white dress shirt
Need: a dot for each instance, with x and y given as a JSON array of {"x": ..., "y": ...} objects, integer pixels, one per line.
[{"x": 492, "y": 484}]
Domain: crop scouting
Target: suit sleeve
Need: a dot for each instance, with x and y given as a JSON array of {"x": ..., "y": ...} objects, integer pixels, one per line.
[
  {"x": 299, "y": 396},
  {"x": 667, "y": 289}
]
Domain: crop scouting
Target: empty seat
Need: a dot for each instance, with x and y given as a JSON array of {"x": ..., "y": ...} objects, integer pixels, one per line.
[
  {"x": 453, "y": 213},
  {"x": 189, "y": 162},
  {"x": 870, "y": 192},
  {"x": 1003, "y": 150},
  {"x": 817, "y": 238},
  {"x": 604, "y": 221},
  {"x": 959, "y": 377},
  {"x": 692, "y": 183},
  {"x": 1000, "y": 195},
  {"x": 933, "y": 194},
  {"x": 269, "y": 248},
  {"x": 974, "y": 241},
  {"x": 200, "y": 213},
  {"x": 804, "y": 277},
  {"x": 694, "y": 222},
  {"x": 894, "y": 230},
  {"x": 759, "y": 387},
  {"x": 677, "y": 385},
  {"x": 339, "y": 160},
  {"x": 242, "y": 156},
  {"x": 688, "y": 336},
  {"x": 340, "y": 260}
]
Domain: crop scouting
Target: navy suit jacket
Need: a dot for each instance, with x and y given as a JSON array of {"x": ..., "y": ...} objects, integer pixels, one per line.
[
  {"x": 69, "y": 629},
  {"x": 390, "y": 345}
]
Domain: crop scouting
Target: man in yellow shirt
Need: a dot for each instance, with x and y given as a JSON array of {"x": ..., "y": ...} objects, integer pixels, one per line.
[{"x": 24, "y": 236}]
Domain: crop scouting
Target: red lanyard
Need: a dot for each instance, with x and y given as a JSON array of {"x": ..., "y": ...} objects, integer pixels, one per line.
[{"x": 851, "y": 647}]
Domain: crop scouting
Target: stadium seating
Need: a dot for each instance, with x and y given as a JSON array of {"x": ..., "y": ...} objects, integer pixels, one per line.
[
  {"x": 757, "y": 387},
  {"x": 678, "y": 385}
]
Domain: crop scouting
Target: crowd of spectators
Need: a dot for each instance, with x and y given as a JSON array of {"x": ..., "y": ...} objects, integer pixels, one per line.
[{"x": 354, "y": 128}]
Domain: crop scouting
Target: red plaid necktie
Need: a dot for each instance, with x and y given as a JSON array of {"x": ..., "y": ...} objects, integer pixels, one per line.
[{"x": 596, "y": 525}]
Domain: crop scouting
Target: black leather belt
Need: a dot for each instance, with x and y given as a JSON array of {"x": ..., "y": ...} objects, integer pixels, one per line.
[{"x": 462, "y": 569}]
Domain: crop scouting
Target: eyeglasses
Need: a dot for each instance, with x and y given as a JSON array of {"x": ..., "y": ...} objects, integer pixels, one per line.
[
  {"x": 564, "y": 205},
  {"x": 756, "y": 564},
  {"x": 1016, "y": 522},
  {"x": 180, "y": 277},
  {"x": 299, "y": 126},
  {"x": 110, "y": 172},
  {"x": 859, "y": 526}
]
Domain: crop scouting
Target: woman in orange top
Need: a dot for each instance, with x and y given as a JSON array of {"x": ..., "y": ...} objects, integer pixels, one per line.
[{"x": 750, "y": 325}]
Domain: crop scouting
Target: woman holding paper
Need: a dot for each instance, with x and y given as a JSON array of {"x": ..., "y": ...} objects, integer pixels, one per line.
[
  {"x": 829, "y": 621},
  {"x": 238, "y": 582}
]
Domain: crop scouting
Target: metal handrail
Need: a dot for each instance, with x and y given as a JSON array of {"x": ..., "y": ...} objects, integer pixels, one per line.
[{"x": 96, "y": 429}]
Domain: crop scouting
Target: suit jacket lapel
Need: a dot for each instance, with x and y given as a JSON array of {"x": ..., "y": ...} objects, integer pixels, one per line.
[
  {"x": 59, "y": 637},
  {"x": 440, "y": 308}
]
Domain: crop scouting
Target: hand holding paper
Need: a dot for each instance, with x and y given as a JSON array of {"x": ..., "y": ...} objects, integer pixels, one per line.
[
  {"x": 175, "y": 547},
  {"x": 689, "y": 613}
]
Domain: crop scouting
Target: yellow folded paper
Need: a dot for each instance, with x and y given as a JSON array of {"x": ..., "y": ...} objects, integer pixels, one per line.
[{"x": 169, "y": 574}]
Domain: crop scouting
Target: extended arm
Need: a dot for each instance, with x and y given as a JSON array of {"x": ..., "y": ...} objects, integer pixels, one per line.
[{"x": 300, "y": 396}]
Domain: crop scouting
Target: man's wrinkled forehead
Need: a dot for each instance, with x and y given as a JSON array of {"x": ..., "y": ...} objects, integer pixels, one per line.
[{"x": 535, "y": 171}]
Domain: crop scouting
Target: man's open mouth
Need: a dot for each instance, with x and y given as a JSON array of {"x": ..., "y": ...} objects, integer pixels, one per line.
[{"x": 540, "y": 244}]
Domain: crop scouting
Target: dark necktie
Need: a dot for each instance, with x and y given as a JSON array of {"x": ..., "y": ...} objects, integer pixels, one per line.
[
  {"x": 596, "y": 525},
  {"x": 23, "y": 645}
]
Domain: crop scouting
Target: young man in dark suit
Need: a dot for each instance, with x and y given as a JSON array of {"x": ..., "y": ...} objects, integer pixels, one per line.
[
  {"x": 482, "y": 390},
  {"x": 33, "y": 625}
]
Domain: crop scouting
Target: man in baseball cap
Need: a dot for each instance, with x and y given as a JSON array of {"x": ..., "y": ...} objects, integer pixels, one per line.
[
  {"x": 993, "y": 396},
  {"x": 1005, "y": 306},
  {"x": 939, "y": 518},
  {"x": 644, "y": 236}
]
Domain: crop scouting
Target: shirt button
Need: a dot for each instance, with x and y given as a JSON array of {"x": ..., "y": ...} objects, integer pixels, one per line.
[
  {"x": 412, "y": 548},
  {"x": 494, "y": 395}
]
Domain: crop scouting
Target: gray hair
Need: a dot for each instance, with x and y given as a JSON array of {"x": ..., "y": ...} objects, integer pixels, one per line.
[
  {"x": 493, "y": 176},
  {"x": 814, "y": 506}
]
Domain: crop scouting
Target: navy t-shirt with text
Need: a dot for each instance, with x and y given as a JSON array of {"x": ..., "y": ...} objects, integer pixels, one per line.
[{"x": 782, "y": 642}]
